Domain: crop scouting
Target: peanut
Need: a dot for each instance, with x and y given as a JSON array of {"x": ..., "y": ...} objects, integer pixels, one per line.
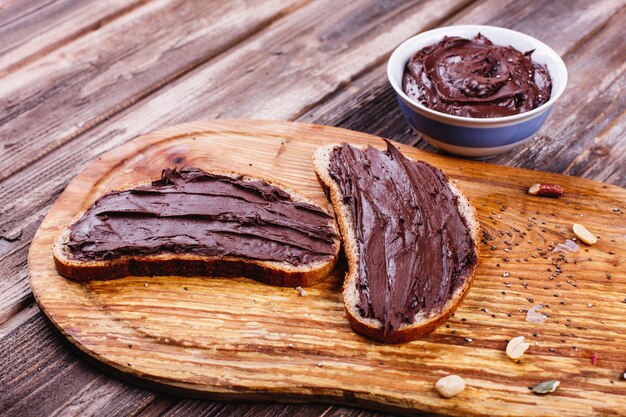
[
  {"x": 450, "y": 385},
  {"x": 516, "y": 347},
  {"x": 546, "y": 190},
  {"x": 583, "y": 234}
]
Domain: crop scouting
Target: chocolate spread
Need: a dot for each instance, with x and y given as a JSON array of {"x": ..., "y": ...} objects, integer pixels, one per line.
[
  {"x": 195, "y": 212},
  {"x": 414, "y": 246},
  {"x": 475, "y": 78}
]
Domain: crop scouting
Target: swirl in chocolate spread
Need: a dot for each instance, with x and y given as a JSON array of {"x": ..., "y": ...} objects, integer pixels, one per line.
[
  {"x": 414, "y": 245},
  {"x": 475, "y": 78},
  {"x": 195, "y": 212}
]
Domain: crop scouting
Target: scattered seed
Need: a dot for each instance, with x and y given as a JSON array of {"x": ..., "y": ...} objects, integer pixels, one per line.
[
  {"x": 533, "y": 315},
  {"x": 12, "y": 237},
  {"x": 546, "y": 387},
  {"x": 583, "y": 234},
  {"x": 450, "y": 385},
  {"x": 516, "y": 347}
]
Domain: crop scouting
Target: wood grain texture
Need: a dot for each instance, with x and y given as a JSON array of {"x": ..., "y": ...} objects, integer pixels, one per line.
[
  {"x": 78, "y": 86},
  {"x": 184, "y": 333},
  {"x": 30, "y": 29},
  {"x": 262, "y": 68}
]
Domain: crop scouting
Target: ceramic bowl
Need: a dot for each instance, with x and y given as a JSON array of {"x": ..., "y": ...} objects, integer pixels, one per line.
[{"x": 467, "y": 136}]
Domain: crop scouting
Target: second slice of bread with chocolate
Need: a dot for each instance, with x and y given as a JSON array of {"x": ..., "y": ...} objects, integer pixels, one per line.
[
  {"x": 409, "y": 235},
  {"x": 192, "y": 222}
]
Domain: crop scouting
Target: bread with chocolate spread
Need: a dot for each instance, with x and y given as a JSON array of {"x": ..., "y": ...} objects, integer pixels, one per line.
[
  {"x": 409, "y": 236},
  {"x": 196, "y": 223}
]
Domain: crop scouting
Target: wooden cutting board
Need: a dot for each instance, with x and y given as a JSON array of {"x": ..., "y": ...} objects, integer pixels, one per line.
[{"x": 239, "y": 339}]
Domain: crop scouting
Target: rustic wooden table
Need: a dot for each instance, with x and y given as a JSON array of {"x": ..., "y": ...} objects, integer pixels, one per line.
[{"x": 78, "y": 78}]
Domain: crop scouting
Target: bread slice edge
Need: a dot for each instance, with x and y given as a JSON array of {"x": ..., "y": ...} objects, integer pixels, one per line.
[
  {"x": 270, "y": 272},
  {"x": 370, "y": 327}
]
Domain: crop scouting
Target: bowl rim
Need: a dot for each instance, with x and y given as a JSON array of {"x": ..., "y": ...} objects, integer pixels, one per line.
[{"x": 475, "y": 120}]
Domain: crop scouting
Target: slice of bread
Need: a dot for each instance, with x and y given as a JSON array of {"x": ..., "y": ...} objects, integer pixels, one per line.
[
  {"x": 190, "y": 264},
  {"x": 422, "y": 324}
]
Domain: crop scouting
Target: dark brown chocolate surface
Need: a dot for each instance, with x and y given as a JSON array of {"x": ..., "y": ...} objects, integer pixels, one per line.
[
  {"x": 414, "y": 245},
  {"x": 195, "y": 212},
  {"x": 475, "y": 78}
]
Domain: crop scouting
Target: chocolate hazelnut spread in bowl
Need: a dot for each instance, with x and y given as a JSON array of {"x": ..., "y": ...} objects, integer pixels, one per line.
[
  {"x": 475, "y": 78},
  {"x": 476, "y": 90}
]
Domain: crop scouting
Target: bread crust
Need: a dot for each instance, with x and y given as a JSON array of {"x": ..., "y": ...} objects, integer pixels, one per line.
[
  {"x": 370, "y": 327},
  {"x": 270, "y": 272}
]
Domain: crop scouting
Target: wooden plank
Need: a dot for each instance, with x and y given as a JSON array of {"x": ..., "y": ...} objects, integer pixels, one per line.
[
  {"x": 248, "y": 346},
  {"x": 242, "y": 409},
  {"x": 30, "y": 29},
  {"x": 81, "y": 84},
  {"x": 67, "y": 383}
]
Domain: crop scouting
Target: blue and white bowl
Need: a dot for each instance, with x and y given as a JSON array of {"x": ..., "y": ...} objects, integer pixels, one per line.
[{"x": 475, "y": 137}]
